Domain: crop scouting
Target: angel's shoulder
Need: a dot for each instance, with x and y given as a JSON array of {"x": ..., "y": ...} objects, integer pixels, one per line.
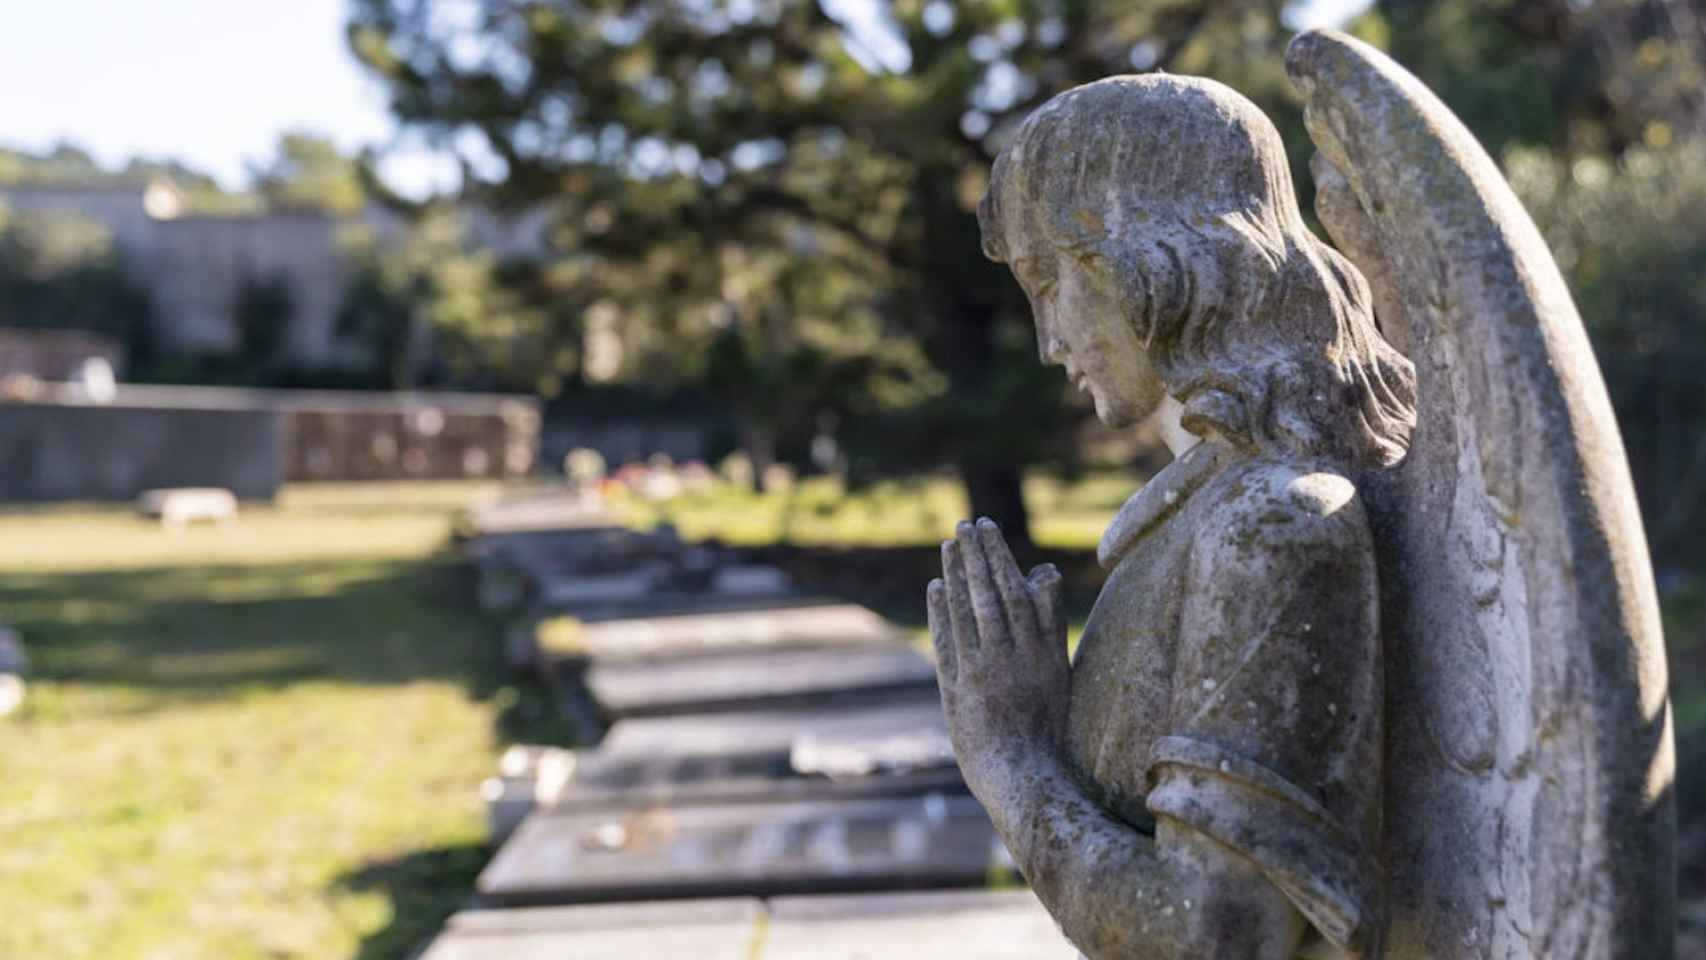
[{"x": 1271, "y": 506}]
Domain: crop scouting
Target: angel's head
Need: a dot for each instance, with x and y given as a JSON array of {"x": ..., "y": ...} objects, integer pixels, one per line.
[{"x": 1153, "y": 224}]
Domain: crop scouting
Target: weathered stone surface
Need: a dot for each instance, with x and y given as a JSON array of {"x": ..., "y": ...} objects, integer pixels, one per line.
[
  {"x": 720, "y": 929},
  {"x": 589, "y": 549},
  {"x": 529, "y": 776},
  {"x": 656, "y": 586},
  {"x": 178, "y": 507},
  {"x": 974, "y": 924},
  {"x": 768, "y": 730},
  {"x": 555, "y": 511},
  {"x": 980, "y": 924},
  {"x": 712, "y": 680},
  {"x": 1528, "y": 793},
  {"x": 559, "y": 591},
  {"x": 668, "y": 601},
  {"x": 756, "y": 849},
  {"x": 709, "y": 622},
  {"x": 896, "y": 747},
  {"x": 1377, "y": 667}
]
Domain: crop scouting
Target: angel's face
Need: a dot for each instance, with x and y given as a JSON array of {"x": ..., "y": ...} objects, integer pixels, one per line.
[{"x": 1082, "y": 326}]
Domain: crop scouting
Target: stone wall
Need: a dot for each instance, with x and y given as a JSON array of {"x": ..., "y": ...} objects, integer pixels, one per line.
[
  {"x": 66, "y": 451},
  {"x": 252, "y": 441}
]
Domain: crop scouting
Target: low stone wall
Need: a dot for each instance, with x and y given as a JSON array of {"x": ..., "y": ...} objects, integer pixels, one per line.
[
  {"x": 60, "y": 447},
  {"x": 68, "y": 451}
]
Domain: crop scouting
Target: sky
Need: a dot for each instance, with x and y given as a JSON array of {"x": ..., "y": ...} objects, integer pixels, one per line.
[
  {"x": 215, "y": 82},
  {"x": 211, "y": 82}
]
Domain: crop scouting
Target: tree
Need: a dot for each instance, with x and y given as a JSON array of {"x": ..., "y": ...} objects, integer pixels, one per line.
[
  {"x": 675, "y": 137},
  {"x": 433, "y": 290},
  {"x": 63, "y": 272},
  {"x": 310, "y": 173},
  {"x": 1571, "y": 77},
  {"x": 1599, "y": 115},
  {"x": 263, "y": 308}
]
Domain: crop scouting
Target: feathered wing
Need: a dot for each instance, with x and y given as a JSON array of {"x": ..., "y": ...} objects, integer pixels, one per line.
[{"x": 1529, "y": 761}]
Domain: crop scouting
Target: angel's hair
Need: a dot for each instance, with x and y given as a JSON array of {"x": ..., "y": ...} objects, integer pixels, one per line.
[{"x": 1180, "y": 186}]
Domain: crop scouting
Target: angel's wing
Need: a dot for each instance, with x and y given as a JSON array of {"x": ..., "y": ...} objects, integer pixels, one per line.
[{"x": 1529, "y": 762}]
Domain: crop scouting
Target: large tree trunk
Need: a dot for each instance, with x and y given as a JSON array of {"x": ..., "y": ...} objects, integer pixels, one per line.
[
  {"x": 996, "y": 491},
  {"x": 965, "y": 293}
]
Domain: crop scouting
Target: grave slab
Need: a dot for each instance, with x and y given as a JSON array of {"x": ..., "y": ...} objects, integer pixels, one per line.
[
  {"x": 715, "y": 929},
  {"x": 717, "y": 680},
  {"x": 708, "y": 621},
  {"x": 985, "y": 924},
  {"x": 885, "y": 748},
  {"x": 748, "y": 849}
]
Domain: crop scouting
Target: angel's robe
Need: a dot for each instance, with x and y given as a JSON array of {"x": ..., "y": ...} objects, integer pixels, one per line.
[{"x": 1229, "y": 678}]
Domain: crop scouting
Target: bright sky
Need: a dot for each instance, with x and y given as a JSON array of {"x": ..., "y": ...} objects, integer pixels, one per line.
[{"x": 214, "y": 82}]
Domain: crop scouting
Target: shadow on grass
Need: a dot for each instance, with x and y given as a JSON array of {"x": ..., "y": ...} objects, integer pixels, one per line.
[
  {"x": 891, "y": 579},
  {"x": 172, "y": 635},
  {"x": 155, "y": 639},
  {"x": 425, "y": 888}
]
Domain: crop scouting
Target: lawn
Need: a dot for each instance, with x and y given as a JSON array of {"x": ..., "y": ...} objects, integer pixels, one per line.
[
  {"x": 913, "y": 511},
  {"x": 265, "y": 740},
  {"x": 262, "y": 740}
]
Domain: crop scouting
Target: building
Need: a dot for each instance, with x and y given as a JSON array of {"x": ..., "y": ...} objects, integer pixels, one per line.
[{"x": 194, "y": 267}]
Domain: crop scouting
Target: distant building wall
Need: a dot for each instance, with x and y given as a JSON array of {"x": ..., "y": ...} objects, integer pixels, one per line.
[
  {"x": 121, "y": 208},
  {"x": 252, "y": 441},
  {"x": 198, "y": 267},
  {"x": 194, "y": 267}
]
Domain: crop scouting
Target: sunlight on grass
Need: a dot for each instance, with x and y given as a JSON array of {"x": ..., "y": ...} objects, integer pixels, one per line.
[
  {"x": 819, "y": 510},
  {"x": 257, "y": 740},
  {"x": 311, "y": 521},
  {"x": 265, "y": 738}
]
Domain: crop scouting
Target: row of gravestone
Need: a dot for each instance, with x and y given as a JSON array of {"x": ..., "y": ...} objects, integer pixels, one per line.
[{"x": 771, "y": 768}]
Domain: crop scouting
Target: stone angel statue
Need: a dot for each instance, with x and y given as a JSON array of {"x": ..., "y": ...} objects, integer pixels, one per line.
[{"x": 1377, "y": 669}]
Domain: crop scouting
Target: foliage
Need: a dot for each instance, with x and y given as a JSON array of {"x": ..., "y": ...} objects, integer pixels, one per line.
[
  {"x": 69, "y": 165},
  {"x": 681, "y": 143},
  {"x": 263, "y": 308},
  {"x": 1575, "y": 78},
  {"x": 1631, "y": 234},
  {"x": 309, "y": 172},
  {"x": 686, "y": 147},
  {"x": 1597, "y": 113},
  {"x": 63, "y": 272},
  {"x": 434, "y": 286}
]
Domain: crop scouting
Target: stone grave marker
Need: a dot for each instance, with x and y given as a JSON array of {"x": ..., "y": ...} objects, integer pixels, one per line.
[
  {"x": 702, "y": 681},
  {"x": 888, "y": 748},
  {"x": 755, "y": 849},
  {"x": 708, "y": 621},
  {"x": 717, "y": 929},
  {"x": 980, "y": 924}
]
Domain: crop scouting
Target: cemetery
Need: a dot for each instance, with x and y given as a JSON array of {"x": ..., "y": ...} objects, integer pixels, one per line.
[
  {"x": 659, "y": 532},
  {"x": 747, "y": 739}
]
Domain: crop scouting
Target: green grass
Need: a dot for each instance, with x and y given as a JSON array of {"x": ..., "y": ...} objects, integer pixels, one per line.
[
  {"x": 917, "y": 510},
  {"x": 260, "y": 740},
  {"x": 264, "y": 740}
]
